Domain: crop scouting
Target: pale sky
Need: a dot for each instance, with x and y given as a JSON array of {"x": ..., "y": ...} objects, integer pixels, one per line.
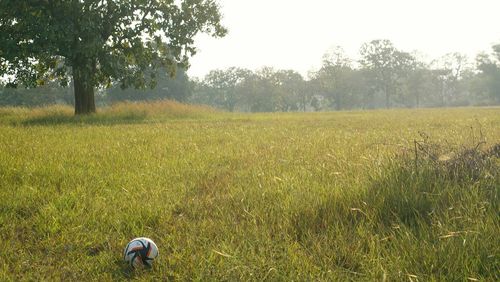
[{"x": 294, "y": 34}]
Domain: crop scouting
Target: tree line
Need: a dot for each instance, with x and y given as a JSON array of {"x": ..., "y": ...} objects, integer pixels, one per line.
[{"x": 382, "y": 77}]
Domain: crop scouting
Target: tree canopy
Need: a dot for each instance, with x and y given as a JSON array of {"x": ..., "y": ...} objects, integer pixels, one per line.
[{"x": 97, "y": 42}]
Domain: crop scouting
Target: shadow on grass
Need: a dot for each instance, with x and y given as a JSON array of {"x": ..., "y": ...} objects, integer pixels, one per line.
[
  {"x": 124, "y": 271},
  {"x": 96, "y": 119},
  {"x": 419, "y": 191},
  {"x": 418, "y": 214}
]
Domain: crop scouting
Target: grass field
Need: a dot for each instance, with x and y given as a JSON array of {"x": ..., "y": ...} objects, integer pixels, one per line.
[{"x": 264, "y": 197}]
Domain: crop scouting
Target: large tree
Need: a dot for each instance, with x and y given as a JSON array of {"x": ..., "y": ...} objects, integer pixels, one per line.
[{"x": 99, "y": 41}]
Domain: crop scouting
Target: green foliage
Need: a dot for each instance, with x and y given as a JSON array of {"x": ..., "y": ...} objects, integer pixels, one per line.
[
  {"x": 305, "y": 196},
  {"x": 338, "y": 81},
  {"x": 266, "y": 90},
  {"x": 386, "y": 77},
  {"x": 223, "y": 88},
  {"x": 387, "y": 67},
  {"x": 48, "y": 94},
  {"x": 98, "y": 42},
  {"x": 488, "y": 82},
  {"x": 166, "y": 87}
]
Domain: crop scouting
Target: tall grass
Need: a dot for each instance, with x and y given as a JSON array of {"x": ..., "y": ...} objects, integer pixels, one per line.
[
  {"x": 273, "y": 197},
  {"x": 123, "y": 112},
  {"x": 165, "y": 108}
]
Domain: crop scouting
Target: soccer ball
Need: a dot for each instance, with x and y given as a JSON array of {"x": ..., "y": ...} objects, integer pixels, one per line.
[{"x": 140, "y": 252}]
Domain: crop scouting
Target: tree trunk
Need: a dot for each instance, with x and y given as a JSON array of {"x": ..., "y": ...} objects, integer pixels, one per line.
[
  {"x": 84, "y": 88},
  {"x": 338, "y": 103},
  {"x": 387, "y": 97}
]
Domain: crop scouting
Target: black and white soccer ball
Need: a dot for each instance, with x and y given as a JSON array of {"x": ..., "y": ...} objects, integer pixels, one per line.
[{"x": 140, "y": 252}]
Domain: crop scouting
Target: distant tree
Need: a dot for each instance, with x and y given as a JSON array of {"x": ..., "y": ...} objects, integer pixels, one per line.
[
  {"x": 358, "y": 87},
  {"x": 450, "y": 69},
  {"x": 333, "y": 77},
  {"x": 289, "y": 89},
  {"x": 97, "y": 42},
  {"x": 385, "y": 77},
  {"x": 224, "y": 87},
  {"x": 496, "y": 52},
  {"x": 166, "y": 87},
  {"x": 489, "y": 76},
  {"x": 419, "y": 85},
  {"x": 387, "y": 66},
  {"x": 47, "y": 94},
  {"x": 269, "y": 90},
  {"x": 198, "y": 92},
  {"x": 259, "y": 90}
]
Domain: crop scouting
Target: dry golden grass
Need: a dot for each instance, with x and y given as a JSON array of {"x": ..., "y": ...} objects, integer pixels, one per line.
[{"x": 158, "y": 108}]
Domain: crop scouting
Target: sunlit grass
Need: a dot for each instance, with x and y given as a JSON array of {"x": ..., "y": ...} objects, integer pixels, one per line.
[
  {"x": 166, "y": 108},
  {"x": 123, "y": 112},
  {"x": 323, "y": 196}
]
